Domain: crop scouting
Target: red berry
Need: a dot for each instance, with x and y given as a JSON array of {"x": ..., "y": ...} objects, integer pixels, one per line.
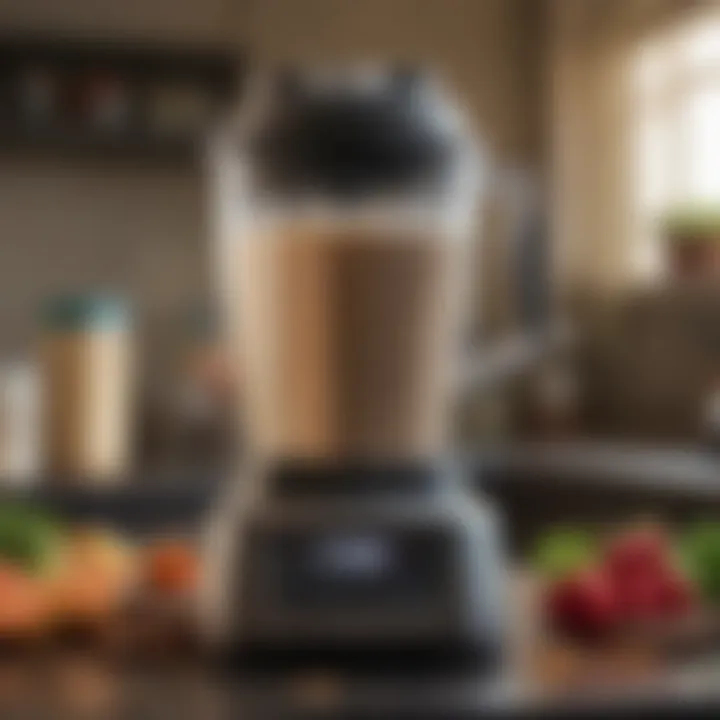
[
  {"x": 582, "y": 605},
  {"x": 644, "y": 550},
  {"x": 636, "y": 597},
  {"x": 675, "y": 595}
]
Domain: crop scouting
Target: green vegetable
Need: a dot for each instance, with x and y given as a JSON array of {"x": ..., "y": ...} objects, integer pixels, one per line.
[
  {"x": 564, "y": 550},
  {"x": 700, "y": 552},
  {"x": 29, "y": 538},
  {"x": 691, "y": 221}
]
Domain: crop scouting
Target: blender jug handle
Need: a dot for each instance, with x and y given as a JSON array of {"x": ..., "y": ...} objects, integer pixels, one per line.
[{"x": 538, "y": 333}]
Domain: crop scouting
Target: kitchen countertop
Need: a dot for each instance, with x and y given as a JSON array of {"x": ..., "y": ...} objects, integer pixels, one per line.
[
  {"x": 535, "y": 485},
  {"x": 618, "y": 466},
  {"x": 543, "y": 678},
  {"x": 689, "y": 471},
  {"x": 81, "y": 687}
]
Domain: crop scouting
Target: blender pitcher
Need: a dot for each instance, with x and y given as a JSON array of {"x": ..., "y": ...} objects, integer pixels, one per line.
[{"x": 346, "y": 206}]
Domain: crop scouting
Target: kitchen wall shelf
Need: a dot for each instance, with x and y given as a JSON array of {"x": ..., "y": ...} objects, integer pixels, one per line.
[{"x": 140, "y": 100}]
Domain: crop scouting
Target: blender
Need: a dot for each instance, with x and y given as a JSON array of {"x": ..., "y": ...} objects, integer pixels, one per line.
[{"x": 345, "y": 204}]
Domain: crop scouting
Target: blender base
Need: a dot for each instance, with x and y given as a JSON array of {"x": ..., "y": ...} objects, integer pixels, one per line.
[
  {"x": 366, "y": 569},
  {"x": 378, "y": 660}
]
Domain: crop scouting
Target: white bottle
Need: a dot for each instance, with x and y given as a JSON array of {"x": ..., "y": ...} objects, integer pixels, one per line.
[{"x": 19, "y": 423}]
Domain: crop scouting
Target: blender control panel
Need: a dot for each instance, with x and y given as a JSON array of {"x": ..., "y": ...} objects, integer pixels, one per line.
[
  {"x": 334, "y": 571},
  {"x": 355, "y": 569}
]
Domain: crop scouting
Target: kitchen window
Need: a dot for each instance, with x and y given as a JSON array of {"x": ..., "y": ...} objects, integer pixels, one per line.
[{"x": 677, "y": 112}]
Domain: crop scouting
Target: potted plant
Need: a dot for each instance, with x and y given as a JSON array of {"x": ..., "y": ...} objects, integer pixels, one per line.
[{"x": 692, "y": 237}]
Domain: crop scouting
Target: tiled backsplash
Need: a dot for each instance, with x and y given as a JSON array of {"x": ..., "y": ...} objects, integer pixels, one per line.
[
  {"x": 135, "y": 228},
  {"x": 650, "y": 362}
]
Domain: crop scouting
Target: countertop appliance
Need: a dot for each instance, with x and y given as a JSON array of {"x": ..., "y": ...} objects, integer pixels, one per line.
[{"x": 345, "y": 204}]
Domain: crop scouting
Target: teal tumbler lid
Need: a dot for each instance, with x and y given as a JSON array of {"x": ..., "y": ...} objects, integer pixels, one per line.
[{"x": 86, "y": 312}]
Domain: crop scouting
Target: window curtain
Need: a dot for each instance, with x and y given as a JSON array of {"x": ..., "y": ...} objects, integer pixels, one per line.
[{"x": 592, "y": 46}]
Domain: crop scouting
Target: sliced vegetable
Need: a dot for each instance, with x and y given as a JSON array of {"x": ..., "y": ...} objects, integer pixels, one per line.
[
  {"x": 24, "y": 609},
  {"x": 172, "y": 567},
  {"x": 95, "y": 578}
]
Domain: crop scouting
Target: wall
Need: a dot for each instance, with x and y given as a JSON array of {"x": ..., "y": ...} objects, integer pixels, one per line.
[
  {"x": 135, "y": 226},
  {"x": 182, "y": 20},
  {"x": 142, "y": 227}
]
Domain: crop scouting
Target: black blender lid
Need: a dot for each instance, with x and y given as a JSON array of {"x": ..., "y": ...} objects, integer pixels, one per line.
[{"x": 355, "y": 133}]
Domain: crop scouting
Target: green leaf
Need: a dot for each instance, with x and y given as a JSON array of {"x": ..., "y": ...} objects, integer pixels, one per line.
[
  {"x": 564, "y": 550},
  {"x": 700, "y": 553},
  {"x": 29, "y": 538},
  {"x": 692, "y": 221}
]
